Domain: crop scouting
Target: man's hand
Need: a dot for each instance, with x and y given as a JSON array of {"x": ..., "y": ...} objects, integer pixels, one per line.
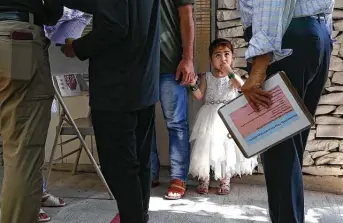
[
  {"x": 67, "y": 49},
  {"x": 252, "y": 88},
  {"x": 186, "y": 69}
]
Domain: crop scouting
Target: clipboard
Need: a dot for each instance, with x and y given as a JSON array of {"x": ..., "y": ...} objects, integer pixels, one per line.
[{"x": 256, "y": 132}]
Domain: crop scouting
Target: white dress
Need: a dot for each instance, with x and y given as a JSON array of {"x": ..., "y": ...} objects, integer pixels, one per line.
[{"x": 212, "y": 148}]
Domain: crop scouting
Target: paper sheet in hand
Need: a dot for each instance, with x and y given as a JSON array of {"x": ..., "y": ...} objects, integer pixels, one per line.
[
  {"x": 255, "y": 132},
  {"x": 60, "y": 64}
]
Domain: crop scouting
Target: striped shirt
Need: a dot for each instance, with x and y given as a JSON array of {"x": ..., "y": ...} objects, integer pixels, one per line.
[{"x": 270, "y": 18}]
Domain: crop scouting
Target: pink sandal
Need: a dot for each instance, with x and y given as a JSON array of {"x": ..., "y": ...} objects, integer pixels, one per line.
[
  {"x": 43, "y": 217},
  {"x": 224, "y": 187},
  {"x": 203, "y": 186},
  {"x": 116, "y": 219},
  {"x": 49, "y": 200}
]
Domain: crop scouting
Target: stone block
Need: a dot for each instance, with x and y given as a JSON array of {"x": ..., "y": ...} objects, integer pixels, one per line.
[
  {"x": 227, "y": 4},
  {"x": 331, "y": 99},
  {"x": 311, "y": 135},
  {"x": 240, "y": 72},
  {"x": 231, "y": 32},
  {"x": 339, "y": 110},
  {"x": 239, "y": 62},
  {"x": 237, "y": 42},
  {"x": 337, "y": 14},
  {"x": 323, "y": 170},
  {"x": 336, "y": 64},
  {"x": 228, "y": 24},
  {"x": 225, "y": 15},
  {"x": 328, "y": 120},
  {"x": 335, "y": 158},
  {"x": 337, "y": 78},
  {"x": 327, "y": 83},
  {"x": 335, "y": 50},
  {"x": 338, "y": 4},
  {"x": 325, "y": 109},
  {"x": 339, "y": 38},
  {"x": 318, "y": 154},
  {"x": 334, "y": 89},
  {"x": 240, "y": 52},
  {"x": 307, "y": 161},
  {"x": 338, "y": 25},
  {"x": 321, "y": 145},
  {"x": 330, "y": 131}
]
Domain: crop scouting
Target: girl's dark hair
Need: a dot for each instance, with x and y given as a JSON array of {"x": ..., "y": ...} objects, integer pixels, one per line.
[{"x": 219, "y": 42}]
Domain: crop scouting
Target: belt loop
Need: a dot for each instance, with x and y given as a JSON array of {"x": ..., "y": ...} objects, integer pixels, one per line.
[{"x": 31, "y": 18}]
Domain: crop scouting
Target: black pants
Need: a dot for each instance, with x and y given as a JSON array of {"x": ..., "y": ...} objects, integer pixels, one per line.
[
  {"x": 307, "y": 68},
  {"x": 124, "y": 141}
]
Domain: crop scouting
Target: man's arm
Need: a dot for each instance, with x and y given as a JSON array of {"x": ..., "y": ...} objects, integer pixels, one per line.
[
  {"x": 53, "y": 11},
  {"x": 270, "y": 19},
  {"x": 111, "y": 28},
  {"x": 186, "y": 66},
  {"x": 88, "y": 6}
]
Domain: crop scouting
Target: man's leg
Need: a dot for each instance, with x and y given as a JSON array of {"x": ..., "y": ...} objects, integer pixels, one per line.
[
  {"x": 115, "y": 134},
  {"x": 144, "y": 136},
  {"x": 155, "y": 161},
  {"x": 307, "y": 70},
  {"x": 174, "y": 101},
  {"x": 25, "y": 116}
]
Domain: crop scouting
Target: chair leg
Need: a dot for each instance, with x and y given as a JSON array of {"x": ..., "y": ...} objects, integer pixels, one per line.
[
  {"x": 53, "y": 150},
  {"x": 77, "y": 160},
  {"x": 97, "y": 169}
]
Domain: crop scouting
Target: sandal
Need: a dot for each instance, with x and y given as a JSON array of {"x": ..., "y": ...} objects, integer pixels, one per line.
[
  {"x": 203, "y": 186},
  {"x": 224, "y": 187},
  {"x": 116, "y": 219},
  {"x": 49, "y": 200},
  {"x": 43, "y": 217},
  {"x": 176, "y": 190}
]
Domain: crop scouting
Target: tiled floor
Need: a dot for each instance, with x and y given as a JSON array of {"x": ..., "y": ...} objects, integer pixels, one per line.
[{"x": 88, "y": 203}]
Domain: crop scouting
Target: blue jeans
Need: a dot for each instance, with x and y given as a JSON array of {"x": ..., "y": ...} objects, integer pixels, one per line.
[
  {"x": 44, "y": 184},
  {"x": 174, "y": 101}
]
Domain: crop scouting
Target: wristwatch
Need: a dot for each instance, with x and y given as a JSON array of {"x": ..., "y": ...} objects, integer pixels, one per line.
[
  {"x": 194, "y": 88},
  {"x": 231, "y": 75}
]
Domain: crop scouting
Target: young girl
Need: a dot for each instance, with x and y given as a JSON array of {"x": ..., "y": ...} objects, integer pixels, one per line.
[{"x": 213, "y": 149}]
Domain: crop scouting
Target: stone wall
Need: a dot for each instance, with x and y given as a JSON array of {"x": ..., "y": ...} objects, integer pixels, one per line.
[{"x": 324, "y": 151}]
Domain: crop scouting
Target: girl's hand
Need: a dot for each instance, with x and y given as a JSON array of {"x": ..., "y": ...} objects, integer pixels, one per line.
[
  {"x": 194, "y": 80},
  {"x": 226, "y": 69}
]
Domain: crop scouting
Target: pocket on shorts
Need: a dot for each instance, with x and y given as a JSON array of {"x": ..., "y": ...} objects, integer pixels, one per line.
[{"x": 17, "y": 58}]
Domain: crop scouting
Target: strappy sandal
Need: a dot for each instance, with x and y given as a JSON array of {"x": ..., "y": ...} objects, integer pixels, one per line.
[
  {"x": 224, "y": 187},
  {"x": 43, "y": 217},
  {"x": 176, "y": 190},
  {"x": 203, "y": 186},
  {"x": 49, "y": 200}
]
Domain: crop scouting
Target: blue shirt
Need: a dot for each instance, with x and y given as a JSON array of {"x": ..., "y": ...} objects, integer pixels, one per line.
[{"x": 270, "y": 19}]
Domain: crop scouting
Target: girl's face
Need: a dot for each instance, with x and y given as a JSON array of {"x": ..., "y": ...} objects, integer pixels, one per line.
[{"x": 221, "y": 58}]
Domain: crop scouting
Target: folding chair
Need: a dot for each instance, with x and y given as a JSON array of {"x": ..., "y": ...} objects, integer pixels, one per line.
[{"x": 80, "y": 128}]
